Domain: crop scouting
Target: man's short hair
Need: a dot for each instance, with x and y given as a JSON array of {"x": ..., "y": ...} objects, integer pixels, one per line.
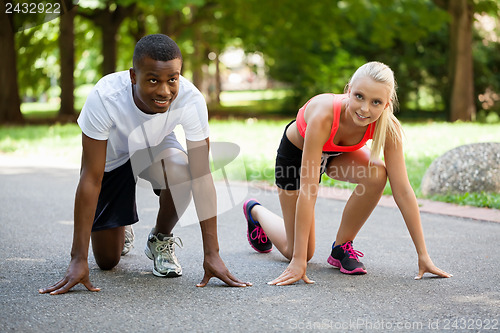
[{"x": 158, "y": 47}]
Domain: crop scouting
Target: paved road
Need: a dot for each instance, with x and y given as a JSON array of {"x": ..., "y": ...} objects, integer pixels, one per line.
[{"x": 36, "y": 234}]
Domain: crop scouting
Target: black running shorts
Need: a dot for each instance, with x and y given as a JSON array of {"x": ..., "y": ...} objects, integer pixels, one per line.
[
  {"x": 289, "y": 161},
  {"x": 116, "y": 206}
]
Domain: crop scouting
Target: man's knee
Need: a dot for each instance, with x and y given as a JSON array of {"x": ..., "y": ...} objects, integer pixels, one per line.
[
  {"x": 107, "y": 246},
  {"x": 177, "y": 169},
  {"x": 170, "y": 171},
  {"x": 107, "y": 263}
]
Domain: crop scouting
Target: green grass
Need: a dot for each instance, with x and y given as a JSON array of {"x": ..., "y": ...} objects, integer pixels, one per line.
[
  {"x": 491, "y": 200},
  {"x": 424, "y": 142},
  {"x": 258, "y": 140},
  {"x": 238, "y": 98},
  {"x": 43, "y": 141},
  {"x": 37, "y": 110},
  {"x": 252, "y": 104},
  {"x": 49, "y": 110}
]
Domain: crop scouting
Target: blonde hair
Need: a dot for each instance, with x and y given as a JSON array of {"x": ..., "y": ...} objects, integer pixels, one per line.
[{"x": 387, "y": 124}]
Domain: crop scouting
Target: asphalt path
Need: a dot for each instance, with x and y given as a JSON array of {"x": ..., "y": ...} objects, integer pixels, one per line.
[{"x": 36, "y": 214}]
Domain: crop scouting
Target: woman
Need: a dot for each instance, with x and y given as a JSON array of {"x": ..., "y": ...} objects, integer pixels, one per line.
[{"x": 329, "y": 136}]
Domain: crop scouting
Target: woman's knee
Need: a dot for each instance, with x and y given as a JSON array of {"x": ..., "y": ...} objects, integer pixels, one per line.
[
  {"x": 310, "y": 254},
  {"x": 376, "y": 176}
]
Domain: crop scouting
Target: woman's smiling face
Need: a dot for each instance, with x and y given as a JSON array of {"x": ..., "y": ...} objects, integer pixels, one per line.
[{"x": 367, "y": 100}]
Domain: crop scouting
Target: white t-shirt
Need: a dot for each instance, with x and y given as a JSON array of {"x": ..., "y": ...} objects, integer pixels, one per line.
[{"x": 110, "y": 114}]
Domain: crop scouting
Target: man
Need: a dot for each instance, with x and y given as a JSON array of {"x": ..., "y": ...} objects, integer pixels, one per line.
[{"x": 127, "y": 127}]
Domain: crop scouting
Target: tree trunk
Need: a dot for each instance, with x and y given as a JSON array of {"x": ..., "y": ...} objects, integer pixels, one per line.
[
  {"x": 109, "y": 47},
  {"x": 462, "y": 106},
  {"x": 170, "y": 24},
  {"x": 67, "y": 57},
  {"x": 140, "y": 30},
  {"x": 197, "y": 59},
  {"x": 218, "y": 83},
  {"x": 109, "y": 22},
  {"x": 10, "y": 103}
]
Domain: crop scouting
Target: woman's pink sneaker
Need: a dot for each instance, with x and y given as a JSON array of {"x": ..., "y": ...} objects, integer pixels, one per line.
[{"x": 255, "y": 234}]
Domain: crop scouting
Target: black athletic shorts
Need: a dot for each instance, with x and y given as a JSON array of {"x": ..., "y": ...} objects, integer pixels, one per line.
[
  {"x": 116, "y": 206},
  {"x": 289, "y": 161}
]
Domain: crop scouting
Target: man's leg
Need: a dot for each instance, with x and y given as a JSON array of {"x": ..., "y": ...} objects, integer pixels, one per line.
[
  {"x": 107, "y": 246},
  {"x": 116, "y": 207},
  {"x": 171, "y": 179}
]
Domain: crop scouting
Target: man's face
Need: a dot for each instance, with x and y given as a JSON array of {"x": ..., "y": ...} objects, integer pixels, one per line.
[{"x": 155, "y": 84}]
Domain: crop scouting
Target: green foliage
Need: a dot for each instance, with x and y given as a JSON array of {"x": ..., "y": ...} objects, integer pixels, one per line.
[
  {"x": 483, "y": 199},
  {"x": 37, "y": 61},
  {"x": 88, "y": 56},
  {"x": 491, "y": 7},
  {"x": 49, "y": 110},
  {"x": 313, "y": 45},
  {"x": 259, "y": 139},
  {"x": 486, "y": 53},
  {"x": 316, "y": 46},
  {"x": 48, "y": 141}
]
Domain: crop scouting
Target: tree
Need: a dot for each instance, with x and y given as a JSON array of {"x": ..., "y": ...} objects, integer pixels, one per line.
[
  {"x": 461, "y": 77},
  {"x": 67, "y": 59},
  {"x": 195, "y": 27},
  {"x": 10, "y": 104},
  {"x": 486, "y": 53},
  {"x": 108, "y": 17},
  {"x": 462, "y": 105},
  {"x": 487, "y": 61},
  {"x": 315, "y": 46}
]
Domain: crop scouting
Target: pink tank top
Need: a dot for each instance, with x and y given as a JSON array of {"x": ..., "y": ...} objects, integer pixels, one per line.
[{"x": 329, "y": 145}]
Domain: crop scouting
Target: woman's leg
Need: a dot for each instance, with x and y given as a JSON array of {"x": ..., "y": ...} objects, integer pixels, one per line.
[
  {"x": 281, "y": 231},
  {"x": 371, "y": 178}
]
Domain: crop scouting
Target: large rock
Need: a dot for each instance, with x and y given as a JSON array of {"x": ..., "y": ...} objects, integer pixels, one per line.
[{"x": 469, "y": 168}]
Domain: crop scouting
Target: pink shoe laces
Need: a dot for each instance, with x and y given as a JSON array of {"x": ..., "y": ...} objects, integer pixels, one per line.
[
  {"x": 258, "y": 233},
  {"x": 353, "y": 254}
]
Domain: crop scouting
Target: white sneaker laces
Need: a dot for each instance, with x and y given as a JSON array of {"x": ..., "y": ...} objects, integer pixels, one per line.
[{"x": 166, "y": 247}]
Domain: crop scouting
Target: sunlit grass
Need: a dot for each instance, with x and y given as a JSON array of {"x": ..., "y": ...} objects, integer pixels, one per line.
[
  {"x": 236, "y": 98},
  {"x": 43, "y": 141},
  {"x": 259, "y": 139},
  {"x": 423, "y": 143},
  {"x": 37, "y": 110},
  {"x": 50, "y": 108}
]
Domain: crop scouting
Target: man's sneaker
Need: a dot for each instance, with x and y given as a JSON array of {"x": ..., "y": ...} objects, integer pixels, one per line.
[
  {"x": 255, "y": 234},
  {"x": 129, "y": 240},
  {"x": 160, "y": 249},
  {"x": 346, "y": 258}
]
